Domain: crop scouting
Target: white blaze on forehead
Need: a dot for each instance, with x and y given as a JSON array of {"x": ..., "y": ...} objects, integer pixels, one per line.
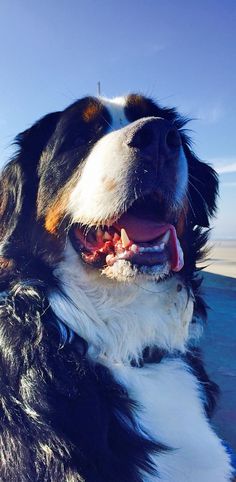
[
  {"x": 100, "y": 191},
  {"x": 116, "y": 109}
]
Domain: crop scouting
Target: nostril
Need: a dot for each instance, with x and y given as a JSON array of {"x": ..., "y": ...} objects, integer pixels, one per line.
[
  {"x": 173, "y": 138},
  {"x": 141, "y": 138}
]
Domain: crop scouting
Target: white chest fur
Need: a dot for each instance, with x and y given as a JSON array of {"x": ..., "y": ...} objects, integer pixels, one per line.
[
  {"x": 118, "y": 320},
  {"x": 171, "y": 411}
]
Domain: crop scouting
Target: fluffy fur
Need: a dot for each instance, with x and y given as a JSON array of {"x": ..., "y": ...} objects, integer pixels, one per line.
[{"x": 100, "y": 380}]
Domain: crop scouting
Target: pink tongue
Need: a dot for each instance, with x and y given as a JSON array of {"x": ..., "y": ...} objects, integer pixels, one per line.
[{"x": 144, "y": 230}]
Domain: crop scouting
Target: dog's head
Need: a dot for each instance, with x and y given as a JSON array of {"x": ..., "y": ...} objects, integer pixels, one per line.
[{"x": 115, "y": 177}]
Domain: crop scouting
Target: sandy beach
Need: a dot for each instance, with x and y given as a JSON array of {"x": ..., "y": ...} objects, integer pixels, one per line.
[
  {"x": 219, "y": 340},
  {"x": 222, "y": 258}
]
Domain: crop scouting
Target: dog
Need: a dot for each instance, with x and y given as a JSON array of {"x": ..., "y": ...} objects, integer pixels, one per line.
[{"x": 105, "y": 211}]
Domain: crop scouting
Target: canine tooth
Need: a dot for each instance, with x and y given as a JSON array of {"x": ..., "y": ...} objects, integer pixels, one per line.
[
  {"x": 124, "y": 238},
  {"x": 107, "y": 236},
  {"x": 166, "y": 237}
]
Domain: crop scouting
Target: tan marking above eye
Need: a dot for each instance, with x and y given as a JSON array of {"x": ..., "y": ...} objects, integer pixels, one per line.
[{"x": 91, "y": 112}]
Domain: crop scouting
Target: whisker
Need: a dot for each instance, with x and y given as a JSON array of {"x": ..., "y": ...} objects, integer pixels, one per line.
[
  {"x": 191, "y": 206},
  {"x": 196, "y": 179},
  {"x": 108, "y": 123},
  {"x": 196, "y": 189}
]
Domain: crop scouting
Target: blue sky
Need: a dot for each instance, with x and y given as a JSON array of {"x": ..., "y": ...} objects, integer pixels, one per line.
[{"x": 182, "y": 53}]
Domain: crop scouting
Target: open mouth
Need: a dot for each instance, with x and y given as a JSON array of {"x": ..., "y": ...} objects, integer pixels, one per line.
[{"x": 138, "y": 236}]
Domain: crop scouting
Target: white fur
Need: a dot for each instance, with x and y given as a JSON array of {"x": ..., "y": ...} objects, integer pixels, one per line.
[
  {"x": 91, "y": 202},
  {"x": 115, "y": 107},
  {"x": 118, "y": 320},
  {"x": 171, "y": 411}
]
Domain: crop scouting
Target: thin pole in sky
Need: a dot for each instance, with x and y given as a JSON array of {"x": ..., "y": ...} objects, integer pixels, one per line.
[{"x": 99, "y": 88}]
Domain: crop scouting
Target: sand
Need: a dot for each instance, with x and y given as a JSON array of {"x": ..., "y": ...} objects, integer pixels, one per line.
[
  {"x": 219, "y": 340},
  {"x": 222, "y": 258}
]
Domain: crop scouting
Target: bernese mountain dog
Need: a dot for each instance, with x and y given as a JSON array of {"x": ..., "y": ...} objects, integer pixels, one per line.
[{"x": 104, "y": 211}]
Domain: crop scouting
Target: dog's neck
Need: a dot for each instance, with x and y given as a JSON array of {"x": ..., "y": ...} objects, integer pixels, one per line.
[{"x": 118, "y": 320}]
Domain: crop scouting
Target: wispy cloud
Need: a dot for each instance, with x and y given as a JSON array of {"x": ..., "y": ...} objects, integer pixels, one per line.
[
  {"x": 211, "y": 114},
  {"x": 224, "y": 165},
  {"x": 227, "y": 168}
]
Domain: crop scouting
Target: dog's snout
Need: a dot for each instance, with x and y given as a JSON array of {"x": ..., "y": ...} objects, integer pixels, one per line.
[
  {"x": 141, "y": 136},
  {"x": 155, "y": 138}
]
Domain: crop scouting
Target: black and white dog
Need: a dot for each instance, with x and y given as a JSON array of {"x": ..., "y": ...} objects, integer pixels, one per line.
[{"x": 102, "y": 213}]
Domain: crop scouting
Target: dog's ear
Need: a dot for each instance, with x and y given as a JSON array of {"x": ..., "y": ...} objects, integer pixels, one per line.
[
  {"x": 18, "y": 181},
  {"x": 11, "y": 197},
  {"x": 202, "y": 190}
]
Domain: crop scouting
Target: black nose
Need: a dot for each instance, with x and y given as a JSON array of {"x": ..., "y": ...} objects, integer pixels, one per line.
[{"x": 156, "y": 139}]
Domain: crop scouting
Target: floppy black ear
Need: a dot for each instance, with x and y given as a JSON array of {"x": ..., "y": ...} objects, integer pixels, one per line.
[
  {"x": 11, "y": 185},
  {"x": 18, "y": 181},
  {"x": 203, "y": 189}
]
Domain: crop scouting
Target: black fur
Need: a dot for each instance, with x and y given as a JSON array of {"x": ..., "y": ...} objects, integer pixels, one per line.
[
  {"x": 61, "y": 417},
  {"x": 210, "y": 390}
]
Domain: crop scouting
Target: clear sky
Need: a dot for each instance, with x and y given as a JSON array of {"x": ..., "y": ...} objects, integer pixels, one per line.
[{"x": 181, "y": 52}]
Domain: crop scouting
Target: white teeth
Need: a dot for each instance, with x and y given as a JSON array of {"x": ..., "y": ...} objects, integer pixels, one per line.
[
  {"x": 107, "y": 236},
  {"x": 124, "y": 238},
  {"x": 166, "y": 237}
]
